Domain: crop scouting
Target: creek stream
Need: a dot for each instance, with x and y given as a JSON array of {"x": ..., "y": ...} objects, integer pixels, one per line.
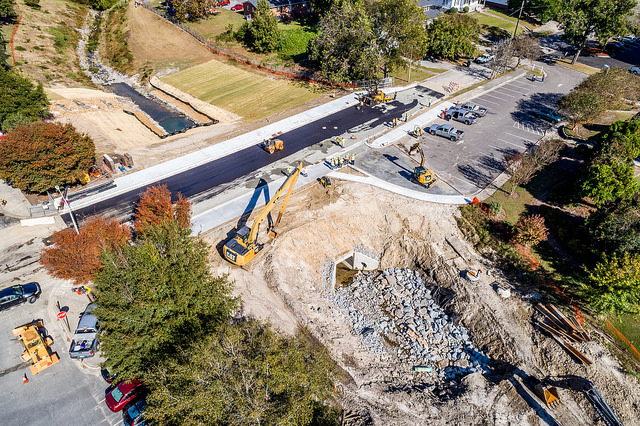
[{"x": 111, "y": 80}]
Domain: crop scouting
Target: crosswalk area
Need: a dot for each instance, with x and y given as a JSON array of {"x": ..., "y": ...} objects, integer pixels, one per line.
[{"x": 540, "y": 131}]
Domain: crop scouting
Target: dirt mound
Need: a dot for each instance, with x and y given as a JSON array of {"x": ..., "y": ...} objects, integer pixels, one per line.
[{"x": 319, "y": 230}]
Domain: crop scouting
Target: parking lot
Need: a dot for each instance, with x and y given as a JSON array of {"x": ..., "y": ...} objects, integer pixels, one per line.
[
  {"x": 70, "y": 391},
  {"x": 468, "y": 166}
]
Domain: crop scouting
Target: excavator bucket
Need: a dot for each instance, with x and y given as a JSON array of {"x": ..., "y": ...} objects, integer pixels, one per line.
[{"x": 549, "y": 394}]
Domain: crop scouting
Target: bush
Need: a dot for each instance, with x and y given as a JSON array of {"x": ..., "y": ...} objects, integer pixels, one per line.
[
  {"x": 453, "y": 10},
  {"x": 530, "y": 230},
  {"x": 495, "y": 208},
  {"x": 466, "y": 9},
  {"x": 34, "y": 4}
]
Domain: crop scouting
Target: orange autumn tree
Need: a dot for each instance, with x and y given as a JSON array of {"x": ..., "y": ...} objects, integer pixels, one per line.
[
  {"x": 155, "y": 207},
  {"x": 75, "y": 256}
]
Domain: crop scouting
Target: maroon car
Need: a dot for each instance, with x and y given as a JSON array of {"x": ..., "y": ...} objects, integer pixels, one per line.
[
  {"x": 236, "y": 7},
  {"x": 119, "y": 396}
]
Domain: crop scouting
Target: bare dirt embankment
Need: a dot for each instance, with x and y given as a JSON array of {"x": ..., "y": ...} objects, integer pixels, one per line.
[{"x": 486, "y": 378}]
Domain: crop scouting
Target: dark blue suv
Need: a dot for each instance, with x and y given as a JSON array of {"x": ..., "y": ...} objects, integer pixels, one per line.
[{"x": 18, "y": 294}]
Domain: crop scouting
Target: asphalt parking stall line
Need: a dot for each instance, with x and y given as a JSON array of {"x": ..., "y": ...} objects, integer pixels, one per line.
[
  {"x": 480, "y": 100},
  {"x": 520, "y": 137},
  {"x": 519, "y": 145},
  {"x": 511, "y": 90},
  {"x": 494, "y": 96},
  {"x": 505, "y": 94}
]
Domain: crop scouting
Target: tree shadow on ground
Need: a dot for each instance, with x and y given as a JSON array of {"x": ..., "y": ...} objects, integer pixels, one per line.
[{"x": 526, "y": 108}]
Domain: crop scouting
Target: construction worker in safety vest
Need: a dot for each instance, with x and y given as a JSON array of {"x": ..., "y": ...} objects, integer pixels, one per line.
[{"x": 341, "y": 142}]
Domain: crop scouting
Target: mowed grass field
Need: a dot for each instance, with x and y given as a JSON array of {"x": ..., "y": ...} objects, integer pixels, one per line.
[{"x": 250, "y": 94}]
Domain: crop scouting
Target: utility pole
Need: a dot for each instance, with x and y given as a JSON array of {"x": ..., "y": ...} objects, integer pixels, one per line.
[
  {"x": 518, "y": 21},
  {"x": 66, "y": 200}
]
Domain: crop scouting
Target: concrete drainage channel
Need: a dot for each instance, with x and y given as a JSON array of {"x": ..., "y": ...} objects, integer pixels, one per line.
[{"x": 396, "y": 316}]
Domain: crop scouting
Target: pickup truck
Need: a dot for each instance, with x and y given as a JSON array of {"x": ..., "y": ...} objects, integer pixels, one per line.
[
  {"x": 461, "y": 115},
  {"x": 85, "y": 338},
  {"x": 447, "y": 131},
  {"x": 476, "y": 109}
]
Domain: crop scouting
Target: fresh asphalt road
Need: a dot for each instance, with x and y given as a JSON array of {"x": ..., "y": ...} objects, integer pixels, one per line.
[
  {"x": 212, "y": 178},
  {"x": 468, "y": 166}
]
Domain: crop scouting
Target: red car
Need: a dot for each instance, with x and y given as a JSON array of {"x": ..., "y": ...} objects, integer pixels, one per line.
[
  {"x": 119, "y": 396},
  {"x": 236, "y": 7},
  {"x": 224, "y": 2}
]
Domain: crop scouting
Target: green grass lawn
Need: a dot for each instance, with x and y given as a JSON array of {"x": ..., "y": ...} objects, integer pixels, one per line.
[
  {"x": 217, "y": 24},
  {"x": 249, "y": 94},
  {"x": 417, "y": 74},
  {"x": 487, "y": 20}
]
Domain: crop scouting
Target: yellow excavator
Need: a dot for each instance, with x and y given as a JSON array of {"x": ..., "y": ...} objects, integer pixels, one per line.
[
  {"x": 244, "y": 246},
  {"x": 424, "y": 177},
  {"x": 272, "y": 144}
]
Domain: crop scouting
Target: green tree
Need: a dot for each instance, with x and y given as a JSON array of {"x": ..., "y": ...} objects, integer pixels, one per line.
[
  {"x": 580, "y": 19},
  {"x": 398, "y": 31},
  {"x": 544, "y": 10},
  {"x": 263, "y": 29},
  {"x": 192, "y": 10},
  {"x": 39, "y": 156},
  {"x": 610, "y": 179},
  {"x": 7, "y": 11},
  {"x": 581, "y": 105},
  {"x": 343, "y": 47},
  {"x": 156, "y": 296},
  {"x": 451, "y": 36},
  {"x": 20, "y": 96},
  {"x": 4, "y": 55},
  {"x": 622, "y": 139},
  {"x": 243, "y": 373},
  {"x": 615, "y": 227},
  {"x": 613, "y": 285}
]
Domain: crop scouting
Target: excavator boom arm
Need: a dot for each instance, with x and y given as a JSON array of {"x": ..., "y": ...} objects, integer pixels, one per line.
[
  {"x": 418, "y": 146},
  {"x": 290, "y": 182}
]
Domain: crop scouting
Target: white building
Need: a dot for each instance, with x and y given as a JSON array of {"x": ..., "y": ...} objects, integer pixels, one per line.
[{"x": 448, "y": 4}]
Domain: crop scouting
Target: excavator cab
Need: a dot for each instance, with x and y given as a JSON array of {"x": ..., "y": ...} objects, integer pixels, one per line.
[
  {"x": 238, "y": 249},
  {"x": 325, "y": 182}
]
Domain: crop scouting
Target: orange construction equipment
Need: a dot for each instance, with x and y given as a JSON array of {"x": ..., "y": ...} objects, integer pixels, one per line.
[
  {"x": 272, "y": 145},
  {"x": 36, "y": 345},
  {"x": 549, "y": 394},
  {"x": 244, "y": 246}
]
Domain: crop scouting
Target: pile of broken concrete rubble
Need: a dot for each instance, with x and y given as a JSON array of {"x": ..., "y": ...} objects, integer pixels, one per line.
[{"x": 396, "y": 316}]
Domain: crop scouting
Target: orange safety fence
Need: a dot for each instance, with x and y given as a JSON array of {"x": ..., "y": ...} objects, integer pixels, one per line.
[
  {"x": 634, "y": 351},
  {"x": 13, "y": 34}
]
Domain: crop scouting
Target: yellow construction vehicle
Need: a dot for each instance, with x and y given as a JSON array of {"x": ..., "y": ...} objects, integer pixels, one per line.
[
  {"x": 376, "y": 96},
  {"x": 424, "y": 177},
  {"x": 244, "y": 246},
  {"x": 417, "y": 132},
  {"x": 271, "y": 145},
  {"x": 548, "y": 393}
]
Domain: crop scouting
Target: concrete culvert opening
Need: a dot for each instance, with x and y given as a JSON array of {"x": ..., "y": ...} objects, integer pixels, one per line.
[{"x": 349, "y": 264}]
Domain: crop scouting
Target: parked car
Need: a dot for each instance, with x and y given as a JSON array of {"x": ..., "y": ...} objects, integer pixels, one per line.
[
  {"x": 476, "y": 109},
  {"x": 18, "y": 294},
  {"x": 85, "y": 339},
  {"x": 108, "y": 375},
  {"x": 223, "y": 2},
  {"x": 122, "y": 394},
  {"x": 549, "y": 115},
  {"x": 635, "y": 70},
  {"x": 483, "y": 59},
  {"x": 236, "y": 7},
  {"x": 447, "y": 131},
  {"x": 132, "y": 412},
  {"x": 461, "y": 115}
]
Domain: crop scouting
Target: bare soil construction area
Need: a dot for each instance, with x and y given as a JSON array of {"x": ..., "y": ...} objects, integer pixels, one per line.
[{"x": 480, "y": 354}]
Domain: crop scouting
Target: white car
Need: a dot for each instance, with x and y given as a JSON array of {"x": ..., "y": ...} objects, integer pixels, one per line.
[
  {"x": 635, "y": 70},
  {"x": 484, "y": 58}
]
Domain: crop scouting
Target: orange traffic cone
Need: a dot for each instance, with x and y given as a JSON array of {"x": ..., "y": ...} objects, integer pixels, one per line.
[
  {"x": 24, "y": 379},
  {"x": 442, "y": 115},
  {"x": 475, "y": 200}
]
